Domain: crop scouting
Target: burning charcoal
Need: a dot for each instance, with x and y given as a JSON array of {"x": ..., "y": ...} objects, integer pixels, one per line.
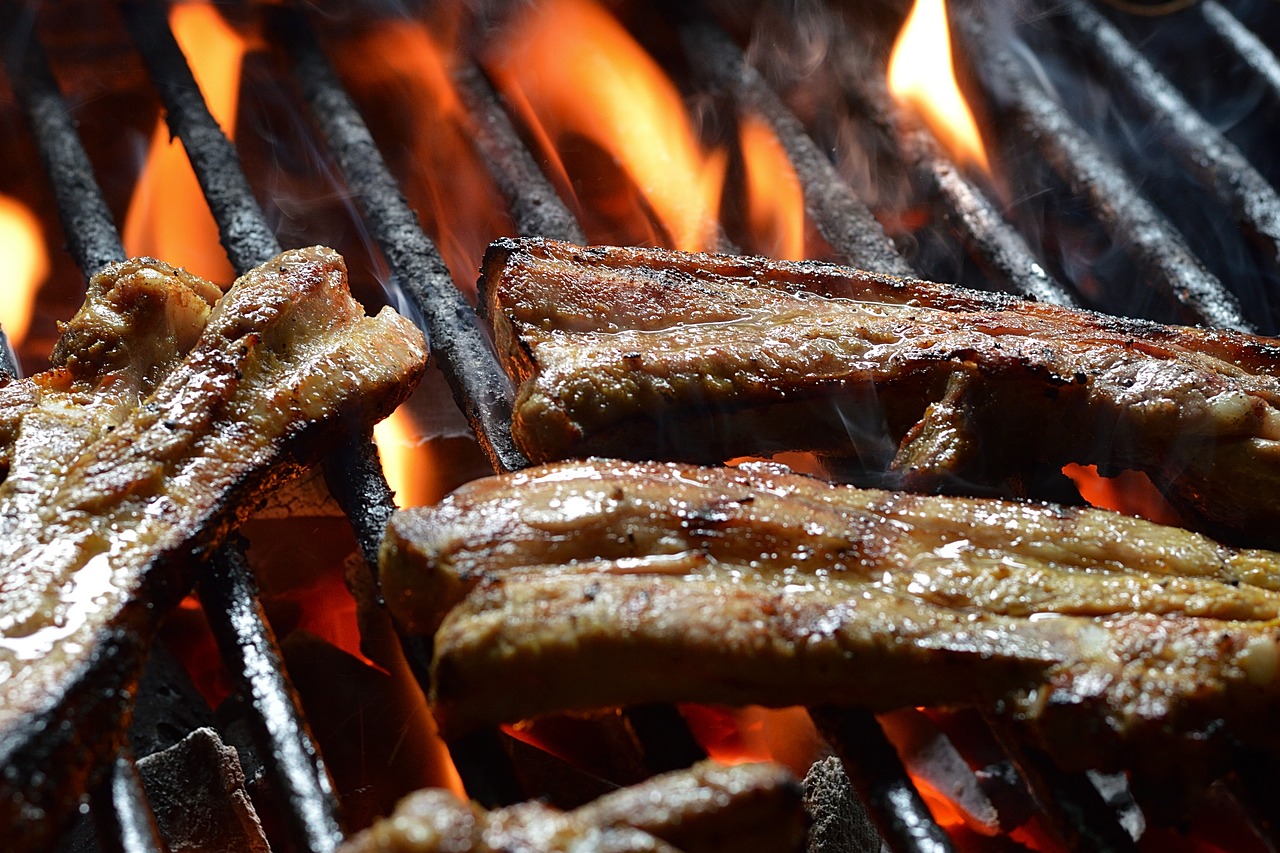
[
  {"x": 196, "y": 790},
  {"x": 645, "y": 354},
  {"x": 839, "y": 820},
  {"x": 705, "y": 809}
]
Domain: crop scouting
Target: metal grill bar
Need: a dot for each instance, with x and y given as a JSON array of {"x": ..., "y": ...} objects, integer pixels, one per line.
[
  {"x": 92, "y": 238},
  {"x": 1070, "y": 802},
  {"x": 1155, "y": 246},
  {"x": 533, "y": 202},
  {"x": 244, "y": 233},
  {"x": 124, "y": 819},
  {"x": 1260, "y": 59},
  {"x": 235, "y": 616},
  {"x": 841, "y": 218},
  {"x": 1217, "y": 165},
  {"x": 997, "y": 247},
  {"x": 873, "y": 766},
  {"x": 249, "y": 649},
  {"x": 479, "y": 385}
]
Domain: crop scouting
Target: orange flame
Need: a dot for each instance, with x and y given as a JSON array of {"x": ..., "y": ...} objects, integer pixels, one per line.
[
  {"x": 775, "y": 201},
  {"x": 398, "y": 63},
  {"x": 578, "y": 73},
  {"x": 922, "y": 77},
  {"x": 1130, "y": 492},
  {"x": 404, "y": 459},
  {"x": 26, "y": 262},
  {"x": 754, "y": 733},
  {"x": 167, "y": 218}
]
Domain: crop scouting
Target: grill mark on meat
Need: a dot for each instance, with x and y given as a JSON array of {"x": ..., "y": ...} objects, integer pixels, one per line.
[
  {"x": 641, "y": 353},
  {"x": 162, "y": 425},
  {"x": 1080, "y": 623}
]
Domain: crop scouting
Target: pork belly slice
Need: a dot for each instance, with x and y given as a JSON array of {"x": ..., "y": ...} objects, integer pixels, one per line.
[
  {"x": 706, "y": 809},
  {"x": 596, "y": 584},
  {"x": 168, "y": 414},
  {"x": 651, "y": 354}
]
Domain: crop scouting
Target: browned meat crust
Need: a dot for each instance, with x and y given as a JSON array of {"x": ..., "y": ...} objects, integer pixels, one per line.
[
  {"x": 1112, "y": 637},
  {"x": 649, "y": 354},
  {"x": 162, "y": 424},
  {"x": 705, "y": 809}
]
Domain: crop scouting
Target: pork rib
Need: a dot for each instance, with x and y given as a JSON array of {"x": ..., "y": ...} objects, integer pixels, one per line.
[
  {"x": 598, "y": 584},
  {"x": 650, "y": 354},
  {"x": 165, "y": 419}
]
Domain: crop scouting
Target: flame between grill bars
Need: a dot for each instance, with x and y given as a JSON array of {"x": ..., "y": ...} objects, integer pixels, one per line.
[{"x": 1075, "y": 211}]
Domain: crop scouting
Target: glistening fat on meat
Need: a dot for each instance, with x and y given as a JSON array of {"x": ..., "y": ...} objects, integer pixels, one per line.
[
  {"x": 650, "y": 354},
  {"x": 168, "y": 414},
  {"x": 1110, "y": 638}
]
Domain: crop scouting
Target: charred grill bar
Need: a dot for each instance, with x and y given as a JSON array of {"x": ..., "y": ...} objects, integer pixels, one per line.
[
  {"x": 479, "y": 385},
  {"x": 844, "y": 221},
  {"x": 1156, "y": 247},
  {"x": 481, "y": 392}
]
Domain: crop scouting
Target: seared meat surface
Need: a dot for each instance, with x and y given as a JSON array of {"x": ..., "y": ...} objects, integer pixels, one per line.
[
  {"x": 705, "y": 809},
  {"x": 169, "y": 413},
  {"x": 649, "y": 354},
  {"x": 596, "y": 584}
]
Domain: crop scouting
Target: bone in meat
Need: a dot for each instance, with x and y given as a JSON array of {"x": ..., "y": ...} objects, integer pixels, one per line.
[
  {"x": 649, "y": 354},
  {"x": 160, "y": 427},
  {"x": 598, "y": 584}
]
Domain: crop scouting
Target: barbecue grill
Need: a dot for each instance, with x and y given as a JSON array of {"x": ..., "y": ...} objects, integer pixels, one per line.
[{"x": 1084, "y": 210}]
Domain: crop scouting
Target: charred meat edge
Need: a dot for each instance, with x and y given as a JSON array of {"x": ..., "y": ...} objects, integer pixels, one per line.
[
  {"x": 653, "y": 354},
  {"x": 131, "y": 460}
]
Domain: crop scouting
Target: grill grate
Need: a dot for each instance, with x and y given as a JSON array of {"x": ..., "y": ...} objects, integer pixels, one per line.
[{"x": 485, "y": 394}]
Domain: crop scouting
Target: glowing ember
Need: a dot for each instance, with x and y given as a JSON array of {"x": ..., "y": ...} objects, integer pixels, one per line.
[
  {"x": 582, "y": 75},
  {"x": 404, "y": 459},
  {"x": 1130, "y": 492},
  {"x": 27, "y": 264},
  {"x": 921, "y": 76},
  {"x": 167, "y": 216},
  {"x": 753, "y": 733},
  {"x": 775, "y": 201}
]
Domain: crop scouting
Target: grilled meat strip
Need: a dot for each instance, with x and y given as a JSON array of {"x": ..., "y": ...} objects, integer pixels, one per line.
[
  {"x": 164, "y": 421},
  {"x": 705, "y": 809},
  {"x": 597, "y": 584},
  {"x": 651, "y": 354}
]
